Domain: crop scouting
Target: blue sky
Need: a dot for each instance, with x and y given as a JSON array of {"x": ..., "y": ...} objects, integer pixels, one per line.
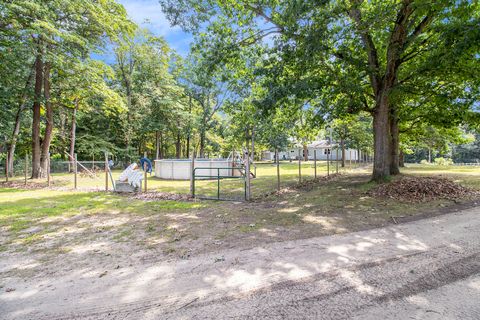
[{"x": 148, "y": 14}]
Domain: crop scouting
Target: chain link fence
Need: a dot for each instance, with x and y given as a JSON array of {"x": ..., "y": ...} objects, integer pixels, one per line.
[{"x": 266, "y": 177}]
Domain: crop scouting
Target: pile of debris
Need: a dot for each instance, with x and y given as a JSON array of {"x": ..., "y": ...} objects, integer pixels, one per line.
[
  {"x": 155, "y": 196},
  {"x": 305, "y": 185},
  {"x": 421, "y": 189}
]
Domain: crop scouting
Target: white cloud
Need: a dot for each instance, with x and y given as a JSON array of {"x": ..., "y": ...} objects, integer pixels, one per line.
[{"x": 148, "y": 14}]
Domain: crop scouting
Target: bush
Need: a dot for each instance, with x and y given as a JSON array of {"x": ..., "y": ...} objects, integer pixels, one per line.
[
  {"x": 424, "y": 162},
  {"x": 443, "y": 161}
]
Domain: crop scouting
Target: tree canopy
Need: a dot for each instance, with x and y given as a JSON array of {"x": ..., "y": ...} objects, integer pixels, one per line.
[{"x": 388, "y": 77}]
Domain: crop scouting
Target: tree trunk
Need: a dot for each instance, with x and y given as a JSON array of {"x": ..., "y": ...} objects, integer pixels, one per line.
[
  {"x": 73, "y": 134},
  {"x": 47, "y": 138},
  {"x": 253, "y": 143},
  {"x": 342, "y": 143},
  {"x": 18, "y": 116},
  {"x": 202, "y": 142},
  {"x": 36, "y": 168},
  {"x": 401, "y": 159},
  {"x": 395, "y": 143},
  {"x": 382, "y": 139},
  {"x": 305, "y": 152},
  {"x": 178, "y": 147},
  {"x": 157, "y": 144},
  {"x": 162, "y": 153}
]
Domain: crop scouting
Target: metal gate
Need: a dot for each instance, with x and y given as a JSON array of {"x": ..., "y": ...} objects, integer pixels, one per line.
[{"x": 218, "y": 177}]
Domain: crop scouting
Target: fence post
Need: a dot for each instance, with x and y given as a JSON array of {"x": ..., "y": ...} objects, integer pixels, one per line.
[
  {"x": 328, "y": 162},
  {"x": 192, "y": 175},
  {"x": 315, "y": 162},
  {"x": 336, "y": 162},
  {"x": 48, "y": 170},
  {"x": 6, "y": 168},
  {"x": 106, "y": 171},
  {"x": 26, "y": 167},
  {"x": 247, "y": 177},
  {"x": 218, "y": 183},
  {"x": 299, "y": 166},
  {"x": 75, "y": 172},
  {"x": 278, "y": 169},
  {"x": 145, "y": 172}
]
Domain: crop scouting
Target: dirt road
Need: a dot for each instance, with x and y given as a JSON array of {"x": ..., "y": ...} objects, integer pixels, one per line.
[{"x": 427, "y": 269}]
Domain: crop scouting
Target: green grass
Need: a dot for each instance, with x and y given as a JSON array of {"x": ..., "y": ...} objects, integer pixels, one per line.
[
  {"x": 466, "y": 175},
  {"x": 19, "y": 210},
  {"x": 28, "y": 218}
]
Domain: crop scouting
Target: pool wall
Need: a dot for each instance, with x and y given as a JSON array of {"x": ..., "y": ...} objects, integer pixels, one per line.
[{"x": 179, "y": 169}]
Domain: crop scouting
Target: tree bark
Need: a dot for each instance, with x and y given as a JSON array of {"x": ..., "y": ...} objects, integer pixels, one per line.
[
  {"x": 73, "y": 133},
  {"x": 401, "y": 159},
  {"x": 47, "y": 138},
  {"x": 161, "y": 147},
  {"x": 18, "y": 117},
  {"x": 382, "y": 137},
  {"x": 178, "y": 147},
  {"x": 36, "y": 168},
  {"x": 342, "y": 144},
  {"x": 202, "y": 142},
  {"x": 253, "y": 143},
  {"x": 157, "y": 144},
  {"x": 395, "y": 143}
]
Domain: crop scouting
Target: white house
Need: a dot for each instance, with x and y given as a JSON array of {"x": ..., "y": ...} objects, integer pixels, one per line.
[{"x": 324, "y": 149}]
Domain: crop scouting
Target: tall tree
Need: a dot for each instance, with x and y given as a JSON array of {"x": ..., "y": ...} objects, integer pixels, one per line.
[
  {"x": 365, "y": 56},
  {"x": 59, "y": 31}
]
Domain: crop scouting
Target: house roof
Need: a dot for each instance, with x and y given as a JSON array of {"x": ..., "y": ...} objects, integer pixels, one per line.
[
  {"x": 321, "y": 144},
  {"x": 317, "y": 144}
]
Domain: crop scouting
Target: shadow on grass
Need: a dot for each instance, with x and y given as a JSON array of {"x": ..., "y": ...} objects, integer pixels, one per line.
[{"x": 19, "y": 214}]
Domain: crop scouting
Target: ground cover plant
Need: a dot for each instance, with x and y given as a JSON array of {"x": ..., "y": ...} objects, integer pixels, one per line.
[{"x": 89, "y": 229}]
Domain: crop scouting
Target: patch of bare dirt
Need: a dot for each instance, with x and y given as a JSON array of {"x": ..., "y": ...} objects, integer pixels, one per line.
[
  {"x": 155, "y": 196},
  {"x": 31, "y": 185},
  {"x": 422, "y": 189},
  {"x": 305, "y": 185}
]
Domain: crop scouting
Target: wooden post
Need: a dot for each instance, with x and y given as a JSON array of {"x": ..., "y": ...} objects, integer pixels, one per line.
[
  {"x": 145, "y": 172},
  {"x": 278, "y": 169},
  {"x": 48, "y": 170},
  {"x": 328, "y": 162},
  {"x": 336, "y": 163},
  {"x": 6, "y": 168},
  {"x": 75, "y": 172},
  {"x": 106, "y": 171},
  {"x": 26, "y": 167},
  {"x": 299, "y": 166},
  {"x": 247, "y": 176},
  {"x": 192, "y": 178},
  {"x": 315, "y": 162}
]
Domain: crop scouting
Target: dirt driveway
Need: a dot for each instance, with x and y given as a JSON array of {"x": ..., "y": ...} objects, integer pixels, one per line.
[{"x": 426, "y": 269}]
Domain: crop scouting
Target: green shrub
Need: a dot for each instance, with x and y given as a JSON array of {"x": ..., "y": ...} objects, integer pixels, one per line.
[
  {"x": 424, "y": 162},
  {"x": 443, "y": 161}
]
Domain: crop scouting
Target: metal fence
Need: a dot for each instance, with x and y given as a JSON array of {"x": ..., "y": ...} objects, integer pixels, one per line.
[{"x": 266, "y": 177}]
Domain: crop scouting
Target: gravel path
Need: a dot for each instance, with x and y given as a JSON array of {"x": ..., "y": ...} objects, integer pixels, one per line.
[{"x": 427, "y": 269}]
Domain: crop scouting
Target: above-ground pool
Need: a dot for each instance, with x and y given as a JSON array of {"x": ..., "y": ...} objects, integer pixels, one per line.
[{"x": 180, "y": 169}]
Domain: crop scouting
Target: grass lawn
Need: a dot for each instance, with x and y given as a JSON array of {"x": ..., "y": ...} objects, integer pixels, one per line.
[
  {"x": 46, "y": 225},
  {"x": 58, "y": 225},
  {"x": 232, "y": 188}
]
